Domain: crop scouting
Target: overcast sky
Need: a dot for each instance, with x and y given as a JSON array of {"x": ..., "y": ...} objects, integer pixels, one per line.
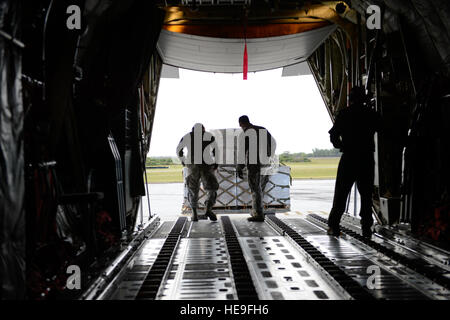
[{"x": 291, "y": 108}]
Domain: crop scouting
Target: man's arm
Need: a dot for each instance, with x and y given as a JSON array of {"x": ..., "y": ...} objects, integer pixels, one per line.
[
  {"x": 213, "y": 145},
  {"x": 240, "y": 171},
  {"x": 180, "y": 152},
  {"x": 271, "y": 144},
  {"x": 241, "y": 154}
]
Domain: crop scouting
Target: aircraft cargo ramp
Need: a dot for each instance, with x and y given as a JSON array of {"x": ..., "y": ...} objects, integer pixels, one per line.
[{"x": 287, "y": 257}]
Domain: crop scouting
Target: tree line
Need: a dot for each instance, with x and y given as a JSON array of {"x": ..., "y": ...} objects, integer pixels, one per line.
[
  {"x": 154, "y": 161},
  {"x": 304, "y": 157},
  {"x": 284, "y": 157}
]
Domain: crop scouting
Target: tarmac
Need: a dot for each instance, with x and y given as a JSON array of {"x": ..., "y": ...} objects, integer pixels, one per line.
[{"x": 306, "y": 196}]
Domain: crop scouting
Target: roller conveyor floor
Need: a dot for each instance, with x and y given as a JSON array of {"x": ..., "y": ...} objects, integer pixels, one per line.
[{"x": 287, "y": 257}]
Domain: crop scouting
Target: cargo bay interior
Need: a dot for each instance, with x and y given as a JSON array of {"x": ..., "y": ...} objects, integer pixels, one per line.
[{"x": 78, "y": 118}]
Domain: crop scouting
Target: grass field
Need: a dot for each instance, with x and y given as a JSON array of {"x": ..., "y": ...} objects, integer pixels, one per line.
[
  {"x": 172, "y": 174},
  {"x": 318, "y": 168}
]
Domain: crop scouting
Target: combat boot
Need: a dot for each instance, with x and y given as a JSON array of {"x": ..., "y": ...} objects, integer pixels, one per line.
[
  {"x": 211, "y": 215},
  {"x": 367, "y": 233},
  {"x": 256, "y": 218},
  {"x": 334, "y": 231}
]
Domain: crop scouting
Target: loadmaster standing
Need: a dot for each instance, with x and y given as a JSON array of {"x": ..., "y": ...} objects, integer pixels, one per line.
[{"x": 353, "y": 133}]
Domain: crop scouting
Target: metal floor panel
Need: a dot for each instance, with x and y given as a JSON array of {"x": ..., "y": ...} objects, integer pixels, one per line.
[
  {"x": 303, "y": 226},
  {"x": 356, "y": 261},
  {"x": 280, "y": 272},
  {"x": 245, "y": 228},
  {"x": 137, "y": 270},
  {"x": 405, "y": 245},
  {"x": 200, "y": 271},
  {"x": 205, "y": 229},
  {"x": 163, "y": 230},
  {"x": 417, "y": 284}
]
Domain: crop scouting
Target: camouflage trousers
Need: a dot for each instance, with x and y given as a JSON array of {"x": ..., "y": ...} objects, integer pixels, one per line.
[
  {"x": 205, "y": 174},
  {"x": 257, "y": 184}
]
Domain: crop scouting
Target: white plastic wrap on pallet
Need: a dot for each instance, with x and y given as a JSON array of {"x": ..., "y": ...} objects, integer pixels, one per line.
[{"x": 234, "y": 194}]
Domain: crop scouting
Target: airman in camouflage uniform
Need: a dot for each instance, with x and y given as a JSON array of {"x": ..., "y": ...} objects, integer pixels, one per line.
[
  {"x": 205, "y": 173},
  {"x": 256, "y": 181},
  {"x": 200, "y": 169}
]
